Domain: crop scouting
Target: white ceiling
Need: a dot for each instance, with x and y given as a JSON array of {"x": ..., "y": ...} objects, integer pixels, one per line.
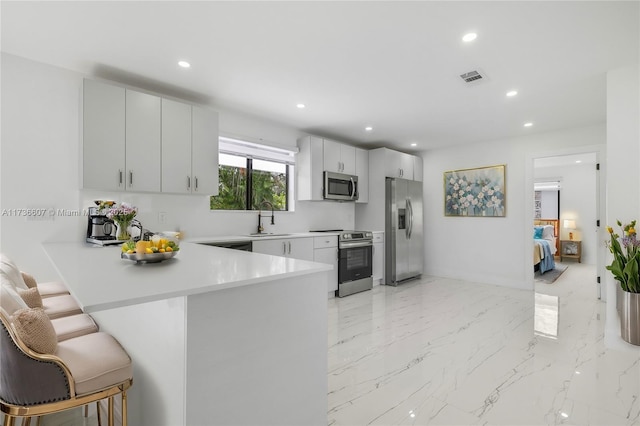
[{"x": 391, "y": 65}]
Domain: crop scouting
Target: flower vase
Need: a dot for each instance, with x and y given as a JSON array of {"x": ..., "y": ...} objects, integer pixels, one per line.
[
  {"x": 629, "y": 312},
  {"x": 123, "y": 229}
]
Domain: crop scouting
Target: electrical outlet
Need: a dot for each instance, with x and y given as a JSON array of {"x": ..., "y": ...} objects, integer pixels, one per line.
[{"x": 162, "y": 217}]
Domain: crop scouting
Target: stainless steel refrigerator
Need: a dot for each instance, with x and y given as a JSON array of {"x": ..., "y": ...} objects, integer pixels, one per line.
[{"x": 404, "y": 252}]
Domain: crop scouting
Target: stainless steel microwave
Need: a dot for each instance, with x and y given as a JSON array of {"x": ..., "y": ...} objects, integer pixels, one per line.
[{"x": 338, "y": 186}]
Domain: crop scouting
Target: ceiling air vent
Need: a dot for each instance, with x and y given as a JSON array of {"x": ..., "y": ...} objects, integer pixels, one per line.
[{"x": 475, "y": 76}]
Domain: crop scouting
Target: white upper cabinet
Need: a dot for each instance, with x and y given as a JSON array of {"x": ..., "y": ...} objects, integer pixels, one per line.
[
  {"x": 362, "y": 171},
  {"x": 417, "y": 168},
  {"x": 135, "y": 141},
  {"x": 176, "y": 147},
  {"x": 204, "y": 152},
  {"x": 143, "y": 143},
  {"x": 339, "y": 158},
  {"x": 398, "y": 164},
  {"x": 103, "y": 136},
  {"x": 189, "y": 149},
  {"x": 309, "y": 168}
]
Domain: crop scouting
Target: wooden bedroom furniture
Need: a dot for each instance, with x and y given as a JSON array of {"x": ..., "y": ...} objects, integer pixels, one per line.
[
  {"x": 571, "y": 249},
  {"x": 556, "y": 229}
]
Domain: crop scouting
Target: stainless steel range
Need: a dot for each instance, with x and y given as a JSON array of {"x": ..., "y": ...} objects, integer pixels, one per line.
[{"x": 355, "y": 257}]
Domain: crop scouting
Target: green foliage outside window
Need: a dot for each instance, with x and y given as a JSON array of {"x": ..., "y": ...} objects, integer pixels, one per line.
[
  {"x": 266, "y": 189},
  {"x": 269, "y": 188},
  {"x": 232, "y": 189}
]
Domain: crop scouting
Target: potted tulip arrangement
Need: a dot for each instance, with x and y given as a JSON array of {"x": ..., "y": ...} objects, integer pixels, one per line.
[{"x": 625, "y": 267}]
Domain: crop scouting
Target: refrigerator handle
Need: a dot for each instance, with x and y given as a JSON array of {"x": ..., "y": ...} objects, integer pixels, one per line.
[{"x": 410, "y": 227}]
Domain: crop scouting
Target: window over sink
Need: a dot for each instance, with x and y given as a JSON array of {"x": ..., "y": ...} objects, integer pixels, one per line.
[{"x": 254, "y": 176}]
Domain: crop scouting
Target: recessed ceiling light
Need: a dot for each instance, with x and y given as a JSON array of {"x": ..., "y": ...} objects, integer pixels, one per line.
[
  {"x": 300, "y": 106},
  {"x": 469, "y": 37},
  {"x": 512, "y": 93},
  {"x": 414, "y": 144},
  {"x": 528, "y": 124},
  {"x": 184, "y": 64},
  {"x": 578, "y": 161},
  {"x": 368, "y": 128}
]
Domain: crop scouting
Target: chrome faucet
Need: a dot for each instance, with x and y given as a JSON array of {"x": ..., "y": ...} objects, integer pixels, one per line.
[{"x": 260, "y": 216}]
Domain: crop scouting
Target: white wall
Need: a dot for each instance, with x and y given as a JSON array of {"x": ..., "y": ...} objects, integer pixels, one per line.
[
  {"x": 491, "y": 250},
  {"x": 623, "y": 157},
  {"x": 549, "y": 204},
  {"x": 41, "y": 167},
  {"x": 578, "y": 202}
]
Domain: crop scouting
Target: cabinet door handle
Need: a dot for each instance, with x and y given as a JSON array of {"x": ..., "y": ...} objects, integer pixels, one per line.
[
  {"x": 196, "y": 182},
  {"x": 284, "y": 248},
  {"x": 120, "y": 178},
  {"x": 289, "y": 247},
  {"x": 130, "y": 178},
  {"x": 189, "y": 182}
]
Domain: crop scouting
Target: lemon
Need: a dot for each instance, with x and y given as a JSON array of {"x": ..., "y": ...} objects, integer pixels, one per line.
[{"x": 148, "y": 251}]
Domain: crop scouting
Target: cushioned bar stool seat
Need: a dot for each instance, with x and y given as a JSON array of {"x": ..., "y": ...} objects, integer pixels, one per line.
[
  {"x": 55, "y": 306},
  {"x": 73, "y": 326},
  {"x": 64, "y": 327},
  {"x": 46, "y": 289},
  {"x": 60, "y": 306},
  {"x": 79, "y": 371}
]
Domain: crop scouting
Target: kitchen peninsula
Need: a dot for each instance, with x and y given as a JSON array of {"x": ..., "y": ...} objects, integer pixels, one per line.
[{"x": 216, "y": 336}]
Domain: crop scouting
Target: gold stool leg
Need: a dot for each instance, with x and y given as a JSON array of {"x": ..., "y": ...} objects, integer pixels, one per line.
[
  {"x": 124, "y": 408},
  {"x": 9, "y": 420},
  {"x": 86, "y": 410},
  {"x": 26, "y": 421},
  {"x": 110, "y": 415},
  {"x": 99, "y": 417},
  {"x": 39, "y": 421}
]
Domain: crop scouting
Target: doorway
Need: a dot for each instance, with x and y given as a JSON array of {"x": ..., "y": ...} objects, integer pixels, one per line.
[{"x": 576, "y": 200}]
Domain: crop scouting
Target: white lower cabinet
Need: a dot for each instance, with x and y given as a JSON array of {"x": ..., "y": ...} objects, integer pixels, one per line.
[
  {"x": 295, "y": 248},
  {"x": 326, "y": 251},
  {"x": 378, "y": 257}
]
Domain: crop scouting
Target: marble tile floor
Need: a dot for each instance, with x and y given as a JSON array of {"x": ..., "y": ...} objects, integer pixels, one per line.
[{"x": 447, "y": 352}]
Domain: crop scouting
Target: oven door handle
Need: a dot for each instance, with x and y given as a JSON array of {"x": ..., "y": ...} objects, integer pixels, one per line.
[{"x": 355, "y": 244}]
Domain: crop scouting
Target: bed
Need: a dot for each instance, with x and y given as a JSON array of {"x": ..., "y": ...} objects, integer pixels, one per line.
[{"x": 545, "y": 244}]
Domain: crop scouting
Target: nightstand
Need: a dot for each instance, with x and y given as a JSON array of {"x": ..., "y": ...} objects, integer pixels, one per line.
[{"x": 571, "y": 249}]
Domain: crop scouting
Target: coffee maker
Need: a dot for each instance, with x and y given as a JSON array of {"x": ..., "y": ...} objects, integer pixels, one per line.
[{"x": 100, "y": 229}]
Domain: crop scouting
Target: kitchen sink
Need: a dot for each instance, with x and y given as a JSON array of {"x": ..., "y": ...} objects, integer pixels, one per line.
[{"x": 267, "y": 234}]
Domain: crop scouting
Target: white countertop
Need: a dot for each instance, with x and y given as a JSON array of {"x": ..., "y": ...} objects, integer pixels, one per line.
[
  {"x": 266, "y": 236},
  {"x": 99, "y": 279}
]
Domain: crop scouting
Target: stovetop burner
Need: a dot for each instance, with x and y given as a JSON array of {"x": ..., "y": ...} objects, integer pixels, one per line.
[{"x": 350, "y": 235}]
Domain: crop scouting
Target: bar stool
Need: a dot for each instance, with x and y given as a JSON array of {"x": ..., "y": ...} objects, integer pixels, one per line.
[
  {"x": 56, "y": 306},
  {"x": 79, "y": 371}
]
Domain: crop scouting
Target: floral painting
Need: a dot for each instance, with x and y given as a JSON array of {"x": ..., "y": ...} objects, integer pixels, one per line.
[{"x": 475, "y": 192}]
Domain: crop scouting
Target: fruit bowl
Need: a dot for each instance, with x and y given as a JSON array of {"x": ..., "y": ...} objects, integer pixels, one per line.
[{"x": 148, "y": 257}]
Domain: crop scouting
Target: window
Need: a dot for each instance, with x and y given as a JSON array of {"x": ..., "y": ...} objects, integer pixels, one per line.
[{"x": 253, "y": 177}]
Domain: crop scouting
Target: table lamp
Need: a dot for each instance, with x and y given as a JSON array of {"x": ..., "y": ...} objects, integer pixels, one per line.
[{"x": 570, "y": 224}]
